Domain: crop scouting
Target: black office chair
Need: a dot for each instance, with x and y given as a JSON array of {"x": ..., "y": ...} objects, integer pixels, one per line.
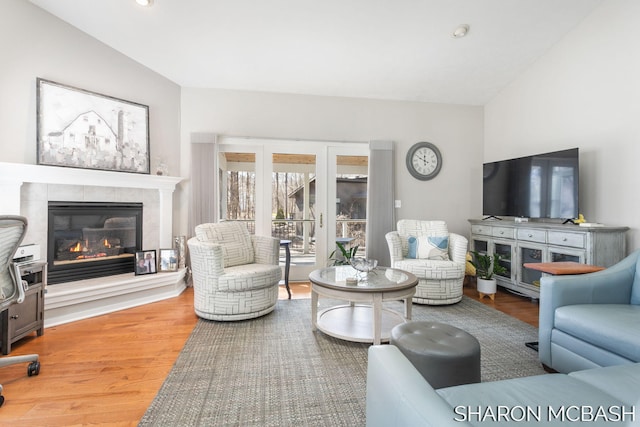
[{"x": 12, "y": 289}]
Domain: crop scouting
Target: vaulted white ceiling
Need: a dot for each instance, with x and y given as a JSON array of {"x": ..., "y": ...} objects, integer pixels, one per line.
[{"x": 383, "y": 49}]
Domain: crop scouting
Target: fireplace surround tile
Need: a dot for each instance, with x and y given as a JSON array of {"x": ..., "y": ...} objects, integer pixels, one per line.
[
  {"x": 33, "y": 191},
  {"x": 33, "y": 198},
  {"x": 72, "y": 193},
  {"x": 99, "y": 194},
  {"x": 130, "y": 195}
]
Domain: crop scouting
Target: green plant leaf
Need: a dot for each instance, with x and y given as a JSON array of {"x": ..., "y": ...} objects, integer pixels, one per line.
[
  {"x": 346, "y": 254},
  {"x": 487, "y": 265}
]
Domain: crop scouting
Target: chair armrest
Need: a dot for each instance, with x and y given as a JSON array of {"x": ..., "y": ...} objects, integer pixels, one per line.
[
  {"x": 395, "y": 246},
  {"x": 610, "y": 286},
  {"x": 14, "y": 270},
  {"x": 458, "y": 247},
  {"x": 398, "y": 395},
  {"x": 266, "y": 249},
  {"x": 207, "y": 259}
]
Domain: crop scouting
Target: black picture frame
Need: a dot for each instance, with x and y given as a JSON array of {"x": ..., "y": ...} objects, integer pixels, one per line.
[
  {"x": 168, "y": 260},
  {"x": 88, "y": 130},
  {"x": 145, "y": 262}
]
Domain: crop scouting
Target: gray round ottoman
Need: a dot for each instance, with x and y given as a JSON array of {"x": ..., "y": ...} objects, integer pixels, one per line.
[{"x": 444, "y": 355}]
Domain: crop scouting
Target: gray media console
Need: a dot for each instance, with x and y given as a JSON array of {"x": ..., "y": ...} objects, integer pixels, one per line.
[{"x": 528, "y": 242}]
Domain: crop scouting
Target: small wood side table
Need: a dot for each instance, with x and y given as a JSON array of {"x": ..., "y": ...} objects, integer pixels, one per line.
[
  {"x": 559, "y": 269},
  {"x": 562, "y": 268}
]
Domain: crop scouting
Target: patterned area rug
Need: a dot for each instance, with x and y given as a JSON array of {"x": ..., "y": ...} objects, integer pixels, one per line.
[{"x": 273, "y": 371}]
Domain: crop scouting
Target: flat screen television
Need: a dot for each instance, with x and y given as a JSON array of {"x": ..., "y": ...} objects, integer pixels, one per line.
[{"x": 539, "y": 186}]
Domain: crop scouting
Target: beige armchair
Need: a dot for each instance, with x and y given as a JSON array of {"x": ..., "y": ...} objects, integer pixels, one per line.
[
  {"x": 235, "y": 274},
  {"x": 435, "y": 256}
]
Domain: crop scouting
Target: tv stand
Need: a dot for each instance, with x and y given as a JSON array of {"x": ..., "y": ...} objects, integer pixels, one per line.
[
  {"x": 492, "y": 217},
  {"x": 518, "y": 243}
]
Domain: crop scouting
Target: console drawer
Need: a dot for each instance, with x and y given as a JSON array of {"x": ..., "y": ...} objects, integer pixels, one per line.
[
  {"x": 561, "y": 238},
  {"x": 481, "y": 229},
  {"x": 504, "y": 232},
  {"x": 531, "y": 235}
]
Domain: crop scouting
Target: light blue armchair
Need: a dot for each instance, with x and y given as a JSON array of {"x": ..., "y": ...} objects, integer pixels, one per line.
[{"x": 591, "y": 320}]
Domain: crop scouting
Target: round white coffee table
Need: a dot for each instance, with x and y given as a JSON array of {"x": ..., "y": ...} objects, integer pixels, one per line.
[{"x": 363, "y": 319}]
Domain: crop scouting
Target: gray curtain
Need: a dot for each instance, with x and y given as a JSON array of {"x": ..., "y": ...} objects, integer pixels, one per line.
[
  {"x": 380, "y": 210},
  {"x": 203, "y": 180}
]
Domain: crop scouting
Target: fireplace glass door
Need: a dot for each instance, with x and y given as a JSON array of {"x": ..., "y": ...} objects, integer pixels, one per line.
[{"x": 88, "y": 240}]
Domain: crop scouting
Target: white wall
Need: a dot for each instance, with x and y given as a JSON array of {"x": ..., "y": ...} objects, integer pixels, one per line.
[
  {"x": 35, "y": 44},
  {"x": 585, "y": 92},
  {"x": 456, "y": 130}
]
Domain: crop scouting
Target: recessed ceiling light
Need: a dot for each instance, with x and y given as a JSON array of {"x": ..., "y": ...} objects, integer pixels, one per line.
[
  {"x": 461, "y": 31},
  {"x": 145, "y": 2}
]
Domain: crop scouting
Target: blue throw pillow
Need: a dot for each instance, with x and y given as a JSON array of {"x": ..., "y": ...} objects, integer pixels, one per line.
[
  {"x": 413, "y": 247},
  {"x": 433, "y": 247}
]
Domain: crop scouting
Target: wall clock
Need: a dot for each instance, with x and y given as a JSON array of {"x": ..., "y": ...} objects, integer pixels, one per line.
[{"x": 424, "y": 161}]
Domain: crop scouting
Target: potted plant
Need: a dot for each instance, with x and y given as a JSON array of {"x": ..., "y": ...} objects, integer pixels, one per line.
[
  {"x": 486, "y": 266},
  {"x": 347, "y": 254}
]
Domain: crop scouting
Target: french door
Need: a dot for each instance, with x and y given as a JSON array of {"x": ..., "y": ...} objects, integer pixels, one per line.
[{"x": 302, "y": 192}]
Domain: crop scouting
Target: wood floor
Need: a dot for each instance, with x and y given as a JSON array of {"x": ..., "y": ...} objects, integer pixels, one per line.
[{"x": 107, "y": 370}]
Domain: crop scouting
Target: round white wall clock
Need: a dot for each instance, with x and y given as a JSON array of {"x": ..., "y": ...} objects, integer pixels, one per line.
[{"x": 424, "y": 161}]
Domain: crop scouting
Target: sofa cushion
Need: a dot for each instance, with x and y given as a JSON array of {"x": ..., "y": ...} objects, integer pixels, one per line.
[
  {"x": 249, "y": 276},
  {"x": 234, "y": 238},
  {"x": 609, "y": 326},
  {"x": 619, "y": 381},
  {"x": 525, "y": 401}
]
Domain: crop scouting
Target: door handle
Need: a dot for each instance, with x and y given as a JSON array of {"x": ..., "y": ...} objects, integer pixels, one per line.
[{"x": 320, "y": 220}]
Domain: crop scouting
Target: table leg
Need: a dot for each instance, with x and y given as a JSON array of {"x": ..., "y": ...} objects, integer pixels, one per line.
[
  {"x": 314, "y": 309},
  {"x": 408, "y": 303},
  {"x": 286, "y": 268},
  {"x": 377, "y": 318}
]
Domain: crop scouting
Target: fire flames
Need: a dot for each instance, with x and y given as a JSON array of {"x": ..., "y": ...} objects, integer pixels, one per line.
[{"x": 79, "y": 248}]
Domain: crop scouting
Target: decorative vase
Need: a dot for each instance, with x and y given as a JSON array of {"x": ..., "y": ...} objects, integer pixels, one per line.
[
  {"x": 180, "y": 243},
  {"x": 487, "y": 287}
]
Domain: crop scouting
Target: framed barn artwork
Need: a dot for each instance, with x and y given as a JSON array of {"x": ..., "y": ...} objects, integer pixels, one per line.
[{"x": 82, "y": 129}]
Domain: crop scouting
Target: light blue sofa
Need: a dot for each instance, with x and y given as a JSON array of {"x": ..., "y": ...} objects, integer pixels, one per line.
[
  {"x": 397, "y": 395},
  {"x": 591, "y": 320}
]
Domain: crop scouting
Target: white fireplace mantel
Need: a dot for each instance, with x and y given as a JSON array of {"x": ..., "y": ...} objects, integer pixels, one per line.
[
  {"x": 13, "y": 175},
  {"x": 76, "y": 176}
]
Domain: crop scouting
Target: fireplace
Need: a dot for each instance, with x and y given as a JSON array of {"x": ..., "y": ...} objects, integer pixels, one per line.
[{"x": 92, "y": 239}]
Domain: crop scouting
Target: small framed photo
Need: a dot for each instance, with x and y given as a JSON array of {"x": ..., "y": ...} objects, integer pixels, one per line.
[
  {"x": 168, "y": 260},
  {"x": 146, "y": 262}
]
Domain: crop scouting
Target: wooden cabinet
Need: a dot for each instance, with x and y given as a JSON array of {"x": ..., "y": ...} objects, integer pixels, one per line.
[
  {"x": 19, "y": 320},
  {"x": 529, "y": 242}
]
